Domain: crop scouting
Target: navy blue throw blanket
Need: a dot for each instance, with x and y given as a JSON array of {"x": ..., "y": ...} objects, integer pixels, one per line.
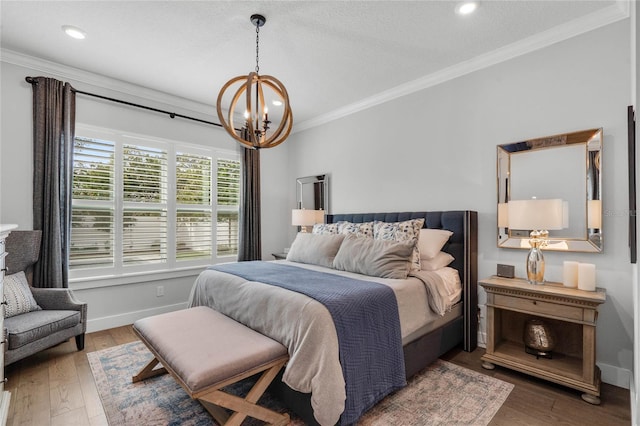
[{"x": 367, "y": 322}]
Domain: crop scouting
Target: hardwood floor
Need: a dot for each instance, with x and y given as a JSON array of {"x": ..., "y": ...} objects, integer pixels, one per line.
[{"x": 56, "y": 387}]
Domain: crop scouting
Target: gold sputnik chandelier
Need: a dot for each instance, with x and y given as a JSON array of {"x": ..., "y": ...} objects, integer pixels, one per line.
[{"x": 258, "y": 91}]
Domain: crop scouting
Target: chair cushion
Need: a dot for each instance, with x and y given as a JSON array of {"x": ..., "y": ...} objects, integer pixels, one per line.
[
  {"x": 18, "y": 295},
  {"x": 35, "y": 325}
]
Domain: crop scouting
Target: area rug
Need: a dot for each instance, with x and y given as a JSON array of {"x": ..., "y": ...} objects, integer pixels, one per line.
[{"x": 442, "y": 394}]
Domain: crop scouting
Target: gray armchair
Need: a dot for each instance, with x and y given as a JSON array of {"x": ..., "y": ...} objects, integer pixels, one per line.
[{"x": 62, "y": 315}]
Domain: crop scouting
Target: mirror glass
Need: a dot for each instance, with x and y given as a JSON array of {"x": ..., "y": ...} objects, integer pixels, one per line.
[
  {"x": 313, "y": 193},
  {"x": 566, "y": 167}
]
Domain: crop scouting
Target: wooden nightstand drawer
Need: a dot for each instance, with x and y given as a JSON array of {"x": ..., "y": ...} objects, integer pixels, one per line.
[{"x": 538, "y": 307}]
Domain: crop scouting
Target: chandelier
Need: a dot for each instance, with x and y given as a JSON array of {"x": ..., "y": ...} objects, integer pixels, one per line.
[{"x": 257, "y": 91}]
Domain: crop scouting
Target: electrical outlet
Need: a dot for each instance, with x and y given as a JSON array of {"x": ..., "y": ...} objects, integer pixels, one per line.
[{"x": 160, "y": 291}]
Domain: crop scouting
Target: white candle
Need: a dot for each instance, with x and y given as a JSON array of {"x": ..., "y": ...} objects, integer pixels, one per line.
[
  {"x": 587, "y": 276},
  {"x": 570, "y": 274}
]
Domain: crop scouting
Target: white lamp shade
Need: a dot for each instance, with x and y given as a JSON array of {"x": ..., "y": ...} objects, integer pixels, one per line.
[
  {"x": 594, "y": 214},
  {"x": 303, "y": 217},
  {"x": 536, "y": 214}
]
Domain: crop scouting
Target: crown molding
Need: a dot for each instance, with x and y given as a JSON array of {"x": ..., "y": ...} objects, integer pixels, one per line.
[
  {"x": 53, "y": 69},
  {"x": 619, "y": 11},
  {"x": 592, "y": 21}
]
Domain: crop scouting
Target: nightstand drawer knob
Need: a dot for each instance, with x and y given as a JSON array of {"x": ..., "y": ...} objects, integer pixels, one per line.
[{"x": 535, "y": 302}]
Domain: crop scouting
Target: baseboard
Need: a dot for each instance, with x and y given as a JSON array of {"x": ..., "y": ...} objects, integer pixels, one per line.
[
  {"x": 616, "y": 376},
  {"x": 127, "y": 318},
  {"x": 611, "y": 374}
]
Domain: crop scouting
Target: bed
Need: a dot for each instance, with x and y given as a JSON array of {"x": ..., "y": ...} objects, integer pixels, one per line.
[{"x": 278, "y": 313}]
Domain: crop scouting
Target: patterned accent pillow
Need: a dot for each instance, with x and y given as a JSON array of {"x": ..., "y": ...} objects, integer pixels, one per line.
[
  {"x": 325, "y": 228},
  {"x": 409, "y": 230},
  {"x": 18, "y": 296},
  {"x": 364, "y": 229}
]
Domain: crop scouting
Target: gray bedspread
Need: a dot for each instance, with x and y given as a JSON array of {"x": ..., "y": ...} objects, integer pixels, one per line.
[{"x": 365, "y": 315}]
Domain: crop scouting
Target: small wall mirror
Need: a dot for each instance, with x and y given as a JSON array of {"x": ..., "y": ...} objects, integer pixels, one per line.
[
  {"x": 313, "y": 193},
  {"x": 566, "y": 167}
]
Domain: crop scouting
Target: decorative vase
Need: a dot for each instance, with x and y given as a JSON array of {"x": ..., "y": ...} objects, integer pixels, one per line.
[{"x": 539, "y": 339}]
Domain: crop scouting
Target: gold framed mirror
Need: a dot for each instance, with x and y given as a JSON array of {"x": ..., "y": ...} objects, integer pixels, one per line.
[{"x": 565, "y": 167}]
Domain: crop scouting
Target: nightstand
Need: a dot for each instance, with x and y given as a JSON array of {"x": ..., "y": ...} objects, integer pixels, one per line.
[
  {"x": 279, "y": 256},
  {"x": 571, "y": 314}
]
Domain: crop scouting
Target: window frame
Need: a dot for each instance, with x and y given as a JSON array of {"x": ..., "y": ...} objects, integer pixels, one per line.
[{"x": 120, "y": 273}]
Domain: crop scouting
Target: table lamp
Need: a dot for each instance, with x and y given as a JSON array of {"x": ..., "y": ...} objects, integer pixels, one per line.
[
  {"x": 304, "y": 218},
  {"x": 539, "y": 217}
]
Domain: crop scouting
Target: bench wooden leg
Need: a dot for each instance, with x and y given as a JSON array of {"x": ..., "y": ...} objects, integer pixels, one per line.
[
  {"x": 148, "y": 371},
  {"x": 218, "y": 413},
  {"x": 244, "y": 407}
]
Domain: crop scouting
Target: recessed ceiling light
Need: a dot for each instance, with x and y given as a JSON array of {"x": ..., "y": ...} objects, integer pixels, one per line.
[
  {"x": 74, "y": 32},
  {"x": 467, "y": 7}
]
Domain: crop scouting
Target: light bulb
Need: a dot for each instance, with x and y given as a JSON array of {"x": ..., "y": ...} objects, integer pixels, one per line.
[
  {"x": 74, "y": 32},
  {"x": 466, "y": 8}
]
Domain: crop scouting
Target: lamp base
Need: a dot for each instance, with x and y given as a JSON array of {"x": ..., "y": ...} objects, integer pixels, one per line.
[{"x": 535, "y": 266}]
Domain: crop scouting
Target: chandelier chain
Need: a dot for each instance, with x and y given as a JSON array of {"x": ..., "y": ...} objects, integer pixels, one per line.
[{"x": 257, "y": 48}]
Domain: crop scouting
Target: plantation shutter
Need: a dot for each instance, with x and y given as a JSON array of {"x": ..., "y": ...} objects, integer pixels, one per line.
[
  {"x": 92, "y": 213},
  {"x": 228, "y": 202},
  {"x": 194, "y": 238},
  {"x": 144, "y": 224}
]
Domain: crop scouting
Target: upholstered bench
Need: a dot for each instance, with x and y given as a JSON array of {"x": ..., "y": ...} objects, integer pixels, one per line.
[{"x": 205, "y": 351}]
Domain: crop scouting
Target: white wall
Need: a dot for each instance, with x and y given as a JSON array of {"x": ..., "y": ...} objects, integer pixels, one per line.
[
  {"x": 436, "y": 150},
  {"x": 123, "y": 304}
]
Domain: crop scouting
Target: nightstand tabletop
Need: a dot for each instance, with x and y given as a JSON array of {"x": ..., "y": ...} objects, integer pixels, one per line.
[{"x": 548, "y": 288}]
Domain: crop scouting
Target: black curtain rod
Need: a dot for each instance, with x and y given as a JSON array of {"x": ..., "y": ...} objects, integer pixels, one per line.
[{"x": 31, "y": 80}]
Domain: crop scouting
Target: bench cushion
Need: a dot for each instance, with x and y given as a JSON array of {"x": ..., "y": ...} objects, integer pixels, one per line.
[
  {"x": 204, "y": 347},
  {"x": 26, "y": 328}
]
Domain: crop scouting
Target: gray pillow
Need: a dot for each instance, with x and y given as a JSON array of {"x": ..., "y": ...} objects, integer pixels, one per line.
[
  {"x": 375, "y": 258},
  {"x": 315, "y": 249},
  {"x": 18, "y": 295}
]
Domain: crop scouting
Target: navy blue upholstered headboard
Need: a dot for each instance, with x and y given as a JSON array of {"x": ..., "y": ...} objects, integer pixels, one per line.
[{"x": 462, "y": 245}]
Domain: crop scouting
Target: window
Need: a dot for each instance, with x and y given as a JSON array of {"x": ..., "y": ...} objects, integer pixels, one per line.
[{"x": 142, "y": 204}]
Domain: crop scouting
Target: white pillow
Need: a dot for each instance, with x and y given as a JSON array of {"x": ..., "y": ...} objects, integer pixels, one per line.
[
  {"x": 431, "y": 241},
  {"x": 325, "y": 228},
  {"x": 18, "y": 295},
  {"x": 364, "y": 229},
  {"x": 439, "y": 261}
]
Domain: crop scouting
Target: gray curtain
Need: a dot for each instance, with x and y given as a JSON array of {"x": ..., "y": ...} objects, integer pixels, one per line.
[
  {"x": 250, "y": 241},
  {"x": 54, "y": 107}
]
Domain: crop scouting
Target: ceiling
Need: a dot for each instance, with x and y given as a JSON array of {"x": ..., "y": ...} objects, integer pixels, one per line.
[{"x": 331, "y": 55}]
